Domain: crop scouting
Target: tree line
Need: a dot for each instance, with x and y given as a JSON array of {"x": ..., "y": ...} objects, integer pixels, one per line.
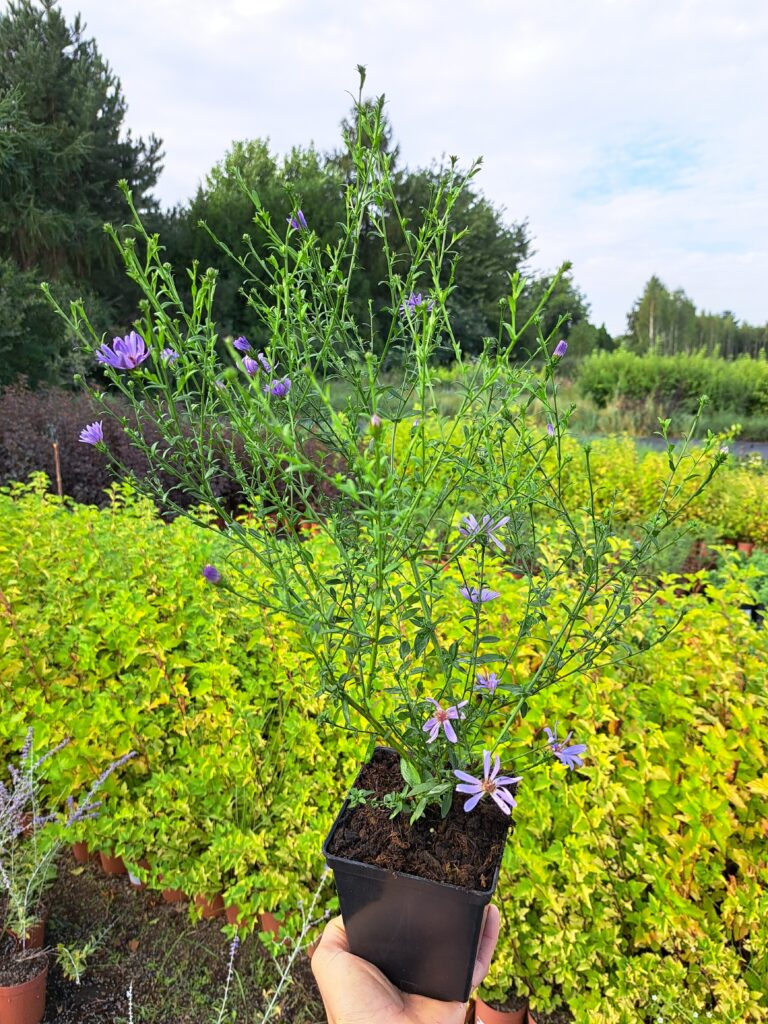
[{"x": 64, "y": 147}]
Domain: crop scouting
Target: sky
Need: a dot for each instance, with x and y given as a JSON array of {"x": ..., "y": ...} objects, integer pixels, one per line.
[{"x": 631, "y": 134}]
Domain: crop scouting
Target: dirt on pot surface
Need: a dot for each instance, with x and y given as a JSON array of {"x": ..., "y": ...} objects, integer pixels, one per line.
[
  {"x": 16, "y": 966},
  {"x": 178, "y": 968},
  {"x": 508, "y": 1005},
  {"x": 461, "y": 849},
  {"x": 553, "y": 1017}
]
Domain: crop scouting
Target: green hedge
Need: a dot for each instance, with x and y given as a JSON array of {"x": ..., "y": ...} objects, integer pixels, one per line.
[
  {"x": 644, "y": 874},
  {"x": 677, "y": 382}
]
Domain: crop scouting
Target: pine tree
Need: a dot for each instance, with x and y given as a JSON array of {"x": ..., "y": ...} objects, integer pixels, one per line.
[{"x": 62, "y": 150}]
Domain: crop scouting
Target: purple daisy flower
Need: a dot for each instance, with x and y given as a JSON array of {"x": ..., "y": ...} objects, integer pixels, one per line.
[
  {"x": 491, "y": 784},
  {"x": 298, "y": 222},
  {"x": 211, "y": 574},
  {"x": 415, "y": 303},
  {"x": 278, "y": 388},
  {"x": 93, "y": 433},
  {"x": 560, "y": 349},
  {"x": 169, "y": 355},
  {"x": 250, "y": 366},
  {"x": 570, "y": 756},
  {"x": 241, "y": 344},
  {"x": 487, "y": 681},
  {"x": 478, "y": 596},
  {"x": 442, "y": 718},
  {"x": 485, "y": 531},
  {"x": 125, "y": 354}
]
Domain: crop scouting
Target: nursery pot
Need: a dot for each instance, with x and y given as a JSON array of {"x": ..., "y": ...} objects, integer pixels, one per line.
[
  {"x": 174, "y": 896},
  {"x": 35, "y": 937},
  {"x": 80, "y": 853},
  {"x": 24, "y": 1003},
  {"x": 135, "y": 881},
  {"x": 112, "y": 865},
  {"x": 423, "y": 935},
  {"x": 485, "y": 1014},
  {"x": 211, "y": 906}
]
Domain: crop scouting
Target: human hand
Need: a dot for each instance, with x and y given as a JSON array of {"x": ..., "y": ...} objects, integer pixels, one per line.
[{"x": 356, "y": 992}]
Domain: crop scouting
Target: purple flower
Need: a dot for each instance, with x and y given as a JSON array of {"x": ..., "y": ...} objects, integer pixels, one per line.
[
  {"x": 250, "y": 366},
  {"x": 442, "y": 717},
  {"x": 415, "y": 303},
  {"x": 212, "y": 574},
  {"x": 299, "y": 222},
  {"x": 560, "y": 349},
  {"x": 375, "y": 421},
  {"x": 278, "y": 388},
  {"x": 491, "y": 783},
  {"x": 125, "y": 354},
  {"x": 169, "y": 355},
  {"x": 93, "y": 433},
  {"x": 570, "y": 756},
  {"x": 265, "y": 364},
  {"x": 478, "y": 596},
  {"x": 485, "y": 531},
  {"x": 488, "y": 681},
  {"x": 550, "y": 430},
  {"x": 242, "y": 344}
]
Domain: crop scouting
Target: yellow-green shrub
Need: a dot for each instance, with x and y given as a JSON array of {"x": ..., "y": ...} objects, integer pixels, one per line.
[{"x": 643, "y": 874}]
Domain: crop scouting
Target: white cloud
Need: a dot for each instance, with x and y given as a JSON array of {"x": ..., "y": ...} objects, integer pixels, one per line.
[{"x": 630, "y": 132}]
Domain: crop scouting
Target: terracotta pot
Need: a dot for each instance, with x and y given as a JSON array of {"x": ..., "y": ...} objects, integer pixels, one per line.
[
  {"x": 174, "y": 896},
  {"x": 135, "y": 880},
  {"x": 211, "y": 906},
  {"x": 112, "y": 865},
  {"x": 746, "y": 547},
  {"x": 485, "y": 1014},
  {"x": 35, "y": 937},
  {"x": 25, "y": 1003},
  {"x": 269, "y": 923},
  {"x": 80, "y": 853}
]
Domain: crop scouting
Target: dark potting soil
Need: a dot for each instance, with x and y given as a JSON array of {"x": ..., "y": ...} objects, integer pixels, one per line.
[
  {"x": 177, "y": 967},
  {"x": 554, "y": 1017},
  {"x": 17, "y": 967},
  {"x": 461, "y": 849},
  {"x": 513, "y": 1002}
]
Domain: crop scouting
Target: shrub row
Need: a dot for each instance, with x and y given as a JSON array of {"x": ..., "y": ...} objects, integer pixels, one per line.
[
  {"x": 644, "y": 874},
  {"x": 676, "y": 382}
]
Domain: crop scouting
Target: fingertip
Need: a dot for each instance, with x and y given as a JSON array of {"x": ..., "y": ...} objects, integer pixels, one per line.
[
  {"x": 334, "y": 938},
  {"x": 487, "y": 946}
]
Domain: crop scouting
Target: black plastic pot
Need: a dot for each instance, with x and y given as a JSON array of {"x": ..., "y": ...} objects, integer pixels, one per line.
[{"x": 422, "y": 935}]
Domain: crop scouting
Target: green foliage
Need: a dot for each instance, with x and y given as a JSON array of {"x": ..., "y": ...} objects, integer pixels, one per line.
[
  {"x": 667, "y": 322},
  {"x": 62, "y": 152},
  {"x": 737, "y": 390},
  {"x": 392, "y": 520},
  {"x": 739, "y": 385},
  {"x": 636, "y": 883},
  {"x": 117, "y": 643},
  {"x": 642, "y": 874}
]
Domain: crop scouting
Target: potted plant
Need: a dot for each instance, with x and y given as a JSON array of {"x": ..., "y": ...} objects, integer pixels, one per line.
[
  {"x": 27, "y": 870},
  {"x": 417, "y": 523},
  {"x": 511, "y": 1010}
]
